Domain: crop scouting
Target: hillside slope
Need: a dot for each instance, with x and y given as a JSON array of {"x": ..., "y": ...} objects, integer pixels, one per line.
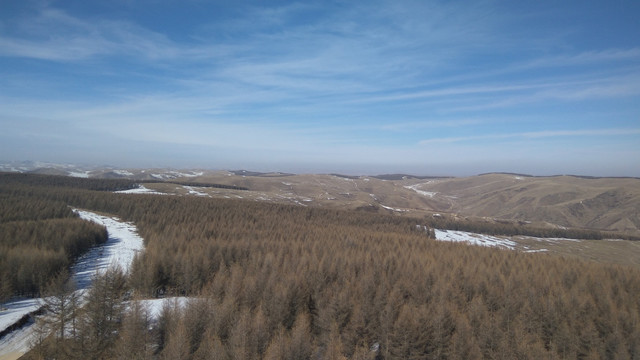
[{"x": 569, "y": 201}]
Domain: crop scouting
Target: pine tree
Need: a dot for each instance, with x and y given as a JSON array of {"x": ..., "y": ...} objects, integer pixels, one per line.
[
  {"x": 134, "y": 340},
  {"x": 61, "y": 306},
  {"x": 103, "y": 313}
]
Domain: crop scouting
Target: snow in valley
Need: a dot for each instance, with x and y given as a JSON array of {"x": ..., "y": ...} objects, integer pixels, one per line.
[
  {"x": 140, "y": 190},
  {"x": 505, "y": 242},
  {"x": 474, "y": 239},
  {"x": 119, "y": 250},
  {"x": 193, "y": 191}
]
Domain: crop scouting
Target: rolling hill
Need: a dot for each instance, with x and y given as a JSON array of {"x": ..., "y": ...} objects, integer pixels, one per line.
[{"x": 611, "y": 204}]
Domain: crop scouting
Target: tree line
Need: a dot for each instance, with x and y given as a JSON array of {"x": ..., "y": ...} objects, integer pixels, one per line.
[{"x": 98, "y": 184}]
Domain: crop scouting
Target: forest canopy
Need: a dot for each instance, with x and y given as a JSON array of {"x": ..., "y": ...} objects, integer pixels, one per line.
[{"x": 277, "y": 281}]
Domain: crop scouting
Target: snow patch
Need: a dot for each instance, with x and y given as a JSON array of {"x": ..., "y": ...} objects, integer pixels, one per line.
[
  {"x": 176, "y": 174},
  {"x": 79, "y": 174},
  {"x": 547, "y": 239},
  {"x": 393, "y": 209},
  {"x": 474, "y": 239},
  {"x": 123, "y": 172},
  {"x": 140, "y": 190},
  {"x": 155, "y": 306},
  {"x": 192, "y": 191},
  {"x": 421, "y": 192}
]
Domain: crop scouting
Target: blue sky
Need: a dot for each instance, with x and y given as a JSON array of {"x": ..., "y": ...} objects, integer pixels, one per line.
[{"x": 361, "y": 87}]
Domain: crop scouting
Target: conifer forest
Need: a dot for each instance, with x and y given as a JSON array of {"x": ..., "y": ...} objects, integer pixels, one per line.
[{"x": 262, "y": 280}]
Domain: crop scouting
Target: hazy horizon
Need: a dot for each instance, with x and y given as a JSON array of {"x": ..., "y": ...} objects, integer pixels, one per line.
[
  {"x": 289, "y": 169},
  {"x": 423, "y": 88}
]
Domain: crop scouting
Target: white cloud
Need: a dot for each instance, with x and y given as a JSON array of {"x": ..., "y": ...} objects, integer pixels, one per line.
[{"x": 536, "y": 135}]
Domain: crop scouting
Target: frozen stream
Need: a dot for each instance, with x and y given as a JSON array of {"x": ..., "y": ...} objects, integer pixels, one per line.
[{"x": 119, "y": 250}]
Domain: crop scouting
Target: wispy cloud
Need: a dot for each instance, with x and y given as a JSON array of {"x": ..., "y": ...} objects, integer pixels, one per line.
[
  {"x": 54, "y": 35},
  {"x": 537, "y": 135}
]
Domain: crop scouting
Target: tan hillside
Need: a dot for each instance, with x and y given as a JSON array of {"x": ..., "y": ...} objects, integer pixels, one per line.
[
  {"x": 599, "y": 203},
  {"x": 565, "y": 201}
]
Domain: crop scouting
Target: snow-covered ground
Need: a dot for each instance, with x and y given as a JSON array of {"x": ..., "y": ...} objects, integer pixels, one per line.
[
  {"x": 393, "y": 209},
  {"x": 474, "y": 239},
  {"x": 176, "y": 174},
  {"x": 14, "y": 310},
  {"x": 193, "y": 191},
  {"x": 79, "y": 174},
  {"x": 123, "y": 172},
  {"x": 421, "y": 192},
  {"x": 155, "y": 306},
  {"x": 140, "y": 190},
  {"x": 121, "y": 246},
  {"x": 119, "y": 250},
  {"x": 16, "y": 343}
]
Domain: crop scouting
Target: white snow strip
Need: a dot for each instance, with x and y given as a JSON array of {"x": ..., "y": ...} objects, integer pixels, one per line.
[
  {"x": 119, "y": 250},
  {"x": 474, "y": 239},
  {"x": 79, "y": 174},
  {"x": 140, "y": 190},
  {"x": 421, "y": 192},
  {"x": 155, "y": 306},
  {"x": 123, "y": 172},
  {"x": 547, "y": 239},
  {"x": 193, "y": 191},
  {"x": 393, "y": 209}
]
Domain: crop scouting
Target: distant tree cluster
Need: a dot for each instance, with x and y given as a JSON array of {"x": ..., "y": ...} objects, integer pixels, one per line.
[
  {"x": 199, "y": 184},
  {"x": 272, "y": 281},
  {"x": 66, "y": 181}
]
